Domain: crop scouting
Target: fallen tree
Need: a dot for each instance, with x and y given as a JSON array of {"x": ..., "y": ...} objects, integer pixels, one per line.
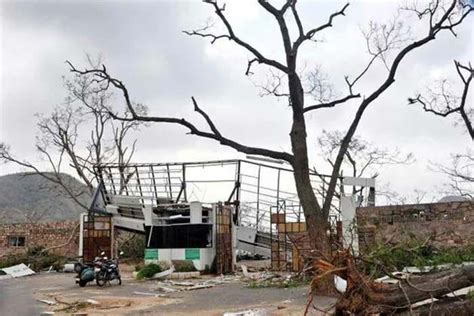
[{"x": 364, "y": 296}]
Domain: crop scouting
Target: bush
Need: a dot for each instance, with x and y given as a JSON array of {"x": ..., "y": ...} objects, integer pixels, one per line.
[
  {"x": 12, "y": 260},
  {"x": 132, "y": 245},
  {"x": 148, "y": 271},
  {"x": 416, "y": 253},
  {"x": 184, "y": 266},
  {"x": 36, "y": 259}
]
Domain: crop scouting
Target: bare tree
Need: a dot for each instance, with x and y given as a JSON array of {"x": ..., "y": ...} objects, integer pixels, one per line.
[
  {"x": 386, "y": 42},
  {"x": 460, "y": 174},
  {"x": 59, "y": 142},
  {"x": 444, "y": 102},
  {"x": 362, "y": 158}
]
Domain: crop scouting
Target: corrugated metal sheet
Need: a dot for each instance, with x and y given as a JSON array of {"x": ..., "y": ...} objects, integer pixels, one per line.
[{"x": 19, "y": 270}]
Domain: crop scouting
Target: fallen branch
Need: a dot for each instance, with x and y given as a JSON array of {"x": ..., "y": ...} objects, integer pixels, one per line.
[{"x": 366, "y": 296}]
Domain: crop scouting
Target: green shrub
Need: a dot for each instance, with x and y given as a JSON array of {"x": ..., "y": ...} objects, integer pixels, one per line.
[
  {"x": 470, "y": 295},
  {"x": 148, "y": 271},
  {"x": 416, "y": 253},
  {"x": 12, "y": 260}
]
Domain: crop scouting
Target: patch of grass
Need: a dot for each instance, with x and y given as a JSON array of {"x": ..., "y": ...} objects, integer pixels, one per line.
[
  {"x": 470, "y": 295},
  {"x": 148, "y": 271},
  {"x": 37, "y": 259}
]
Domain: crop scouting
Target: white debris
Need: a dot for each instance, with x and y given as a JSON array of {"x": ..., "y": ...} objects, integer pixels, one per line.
[
  {"x": 183, "y": 283},
  {"x": 48, "y": 302},
  {"x": 68, "y": 267},
  {"x": 245, "y": 271},
  {"x": 250, "y": 312},
  {"x": 165, "y": 289},
  {"x": 18, "y": 270},
  {"x": 198, "y": 287},
  {"x": 148, "y": 294},
  {"x": 163, "y": 274},
  {"x": 93, "y": 302},
  {"x": 340, "y": 283}
]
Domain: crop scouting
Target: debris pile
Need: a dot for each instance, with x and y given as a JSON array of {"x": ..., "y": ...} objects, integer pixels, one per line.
[
  {"x": 272, "y": 279},
  {"x": 171, "y": 286}
]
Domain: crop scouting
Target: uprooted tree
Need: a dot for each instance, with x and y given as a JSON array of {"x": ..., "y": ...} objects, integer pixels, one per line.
[{"x": 388, "y": 43}]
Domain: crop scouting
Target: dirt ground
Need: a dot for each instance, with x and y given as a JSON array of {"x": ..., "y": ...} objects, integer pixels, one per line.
[{"x": 229, "y": 294}]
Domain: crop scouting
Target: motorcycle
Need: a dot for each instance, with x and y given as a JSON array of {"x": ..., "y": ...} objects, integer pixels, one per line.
[
  {"x": 108, "y": 271},
  {"x": 101, "y": 269}
]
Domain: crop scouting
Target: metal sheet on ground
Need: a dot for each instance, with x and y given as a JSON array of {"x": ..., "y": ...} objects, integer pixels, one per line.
[{"x": 19, "y": 270}]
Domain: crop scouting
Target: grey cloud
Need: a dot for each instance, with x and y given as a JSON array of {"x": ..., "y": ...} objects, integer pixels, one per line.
[{"x": 143, "y": 45}]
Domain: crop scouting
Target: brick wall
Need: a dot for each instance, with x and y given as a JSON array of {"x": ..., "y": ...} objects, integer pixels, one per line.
[
  {"x": 450, "y": 223},
  {"x": 47, "y": 234}
]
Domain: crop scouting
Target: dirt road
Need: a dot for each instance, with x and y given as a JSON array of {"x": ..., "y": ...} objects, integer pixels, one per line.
[{"x": 19, "y": 297}]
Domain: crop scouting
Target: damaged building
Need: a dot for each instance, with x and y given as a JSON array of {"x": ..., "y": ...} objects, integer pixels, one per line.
[{"x": 207, "y": 212}]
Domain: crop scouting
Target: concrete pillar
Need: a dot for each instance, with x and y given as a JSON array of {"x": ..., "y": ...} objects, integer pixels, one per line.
[{"x": 195, "y": 210}]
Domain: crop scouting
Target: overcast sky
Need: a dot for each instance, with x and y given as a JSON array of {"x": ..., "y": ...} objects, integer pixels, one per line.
[{"x": 142, "y": 43}]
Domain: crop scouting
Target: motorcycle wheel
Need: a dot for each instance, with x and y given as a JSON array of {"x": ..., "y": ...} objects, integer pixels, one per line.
[
  {"x": 82, "y": 283},
  {"x": 100, "y": 278}
]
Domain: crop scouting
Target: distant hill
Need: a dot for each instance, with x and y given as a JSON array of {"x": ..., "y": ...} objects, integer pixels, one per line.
[{"x": 30, "y": 196}]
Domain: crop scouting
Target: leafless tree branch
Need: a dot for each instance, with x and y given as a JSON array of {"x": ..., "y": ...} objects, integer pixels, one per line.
[
  {"x": 445, "y": 22},
  {"x": 444, "y": 102}
]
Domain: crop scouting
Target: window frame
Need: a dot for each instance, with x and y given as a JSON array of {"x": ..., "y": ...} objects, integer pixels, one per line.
[{"x": 16, "y": 241}]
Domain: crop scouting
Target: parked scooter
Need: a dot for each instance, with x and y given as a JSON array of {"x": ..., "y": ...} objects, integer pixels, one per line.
[
  {"x": 85, "y": 273},
  {"x": 102, "y": 269},
  {"x": 108, "y": 271}
]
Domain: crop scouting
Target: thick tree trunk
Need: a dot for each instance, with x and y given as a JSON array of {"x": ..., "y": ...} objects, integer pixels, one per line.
[
  {"x": 366, "y": 296},
  {"x": 422, "y": 287},
  {"x": 316, "y": 222}
]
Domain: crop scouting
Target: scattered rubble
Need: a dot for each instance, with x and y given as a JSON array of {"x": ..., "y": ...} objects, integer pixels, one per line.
[
  {"x": 171, "y": 286},
  {"x": 272, "y": 279},
  {"x": 250, "y": 312}
]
